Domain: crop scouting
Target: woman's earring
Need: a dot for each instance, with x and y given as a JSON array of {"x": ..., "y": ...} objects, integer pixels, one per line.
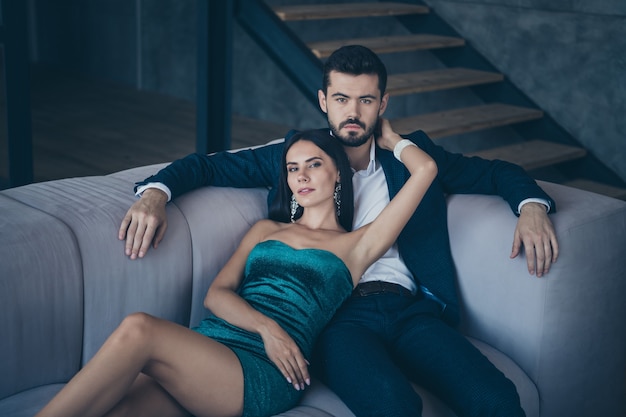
[
  {"x": 337, "y": 197},
  {"x": 294, "y": 208}
]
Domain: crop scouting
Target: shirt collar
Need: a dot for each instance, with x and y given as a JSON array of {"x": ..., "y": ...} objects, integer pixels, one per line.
[{"x": 371, "y": 167}]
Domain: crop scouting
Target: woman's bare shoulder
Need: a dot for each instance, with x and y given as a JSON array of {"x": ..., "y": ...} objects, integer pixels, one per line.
[{"x": 266, "y": 227}]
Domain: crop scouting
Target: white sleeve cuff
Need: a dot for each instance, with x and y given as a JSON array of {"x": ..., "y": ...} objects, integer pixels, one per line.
[
  {"x": 533, "y": 200},
  {"x": 160, "y": 186}
]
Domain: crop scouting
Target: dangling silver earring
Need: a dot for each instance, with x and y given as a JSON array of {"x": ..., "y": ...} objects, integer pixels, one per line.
[
  {"x": 337, "y": 197},
  {"x": 294, "y": 208}
]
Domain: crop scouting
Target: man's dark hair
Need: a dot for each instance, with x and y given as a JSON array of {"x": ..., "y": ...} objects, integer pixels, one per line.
[
  {"x": 355, "y": 60},
  {"x": 280, "y": 208}
]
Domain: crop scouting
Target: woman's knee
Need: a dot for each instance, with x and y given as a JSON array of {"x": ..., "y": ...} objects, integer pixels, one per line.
[{"x": 135, "y": 328}]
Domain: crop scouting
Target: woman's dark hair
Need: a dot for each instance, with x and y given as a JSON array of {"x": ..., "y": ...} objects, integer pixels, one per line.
[
  {"x": 355, "y": 60},
  {"x": 280, "y": 209}
]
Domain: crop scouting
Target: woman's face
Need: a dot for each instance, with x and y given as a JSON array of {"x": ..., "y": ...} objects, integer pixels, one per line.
[{"x": 311, "y": 173}]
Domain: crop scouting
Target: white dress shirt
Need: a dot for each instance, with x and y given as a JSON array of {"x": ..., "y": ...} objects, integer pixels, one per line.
[{"x": 371, "y": 196}]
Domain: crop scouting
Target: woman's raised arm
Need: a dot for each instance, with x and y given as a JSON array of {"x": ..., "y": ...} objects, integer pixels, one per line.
[{"x": 377, "y": 237}]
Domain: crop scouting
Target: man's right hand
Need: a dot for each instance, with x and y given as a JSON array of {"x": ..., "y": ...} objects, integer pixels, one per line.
[{"x": 144, "y": 224}]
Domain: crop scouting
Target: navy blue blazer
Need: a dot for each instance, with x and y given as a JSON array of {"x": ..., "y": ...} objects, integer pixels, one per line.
[{"x": 424, "y": 242}]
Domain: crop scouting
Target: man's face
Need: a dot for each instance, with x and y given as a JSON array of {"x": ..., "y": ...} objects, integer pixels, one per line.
[{"x": 352, "y": 105}]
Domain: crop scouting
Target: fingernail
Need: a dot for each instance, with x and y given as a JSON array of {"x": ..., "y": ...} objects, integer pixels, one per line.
[
  {"x": 308, "y": 381},
  {"x": 289, "y": 380}
]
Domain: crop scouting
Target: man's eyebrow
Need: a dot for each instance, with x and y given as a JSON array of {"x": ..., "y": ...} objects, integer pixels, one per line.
[{"x": 370, "y": 96}]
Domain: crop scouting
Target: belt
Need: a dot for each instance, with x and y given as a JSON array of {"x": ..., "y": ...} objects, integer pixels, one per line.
[{"x": 380, "y": 287}]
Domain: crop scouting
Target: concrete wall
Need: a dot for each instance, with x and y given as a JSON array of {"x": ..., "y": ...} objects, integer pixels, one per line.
[{"x": 569, "y": 56}]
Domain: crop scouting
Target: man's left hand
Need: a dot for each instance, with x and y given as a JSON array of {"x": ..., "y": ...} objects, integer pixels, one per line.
[{"x": 536, "y": 233}]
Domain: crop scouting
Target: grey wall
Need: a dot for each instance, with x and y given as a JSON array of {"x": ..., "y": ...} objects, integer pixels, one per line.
[{"x": 569, "y": 56}]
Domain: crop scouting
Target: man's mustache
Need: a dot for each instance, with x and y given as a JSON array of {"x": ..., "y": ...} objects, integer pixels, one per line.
[{"x": 352, "y": 122}]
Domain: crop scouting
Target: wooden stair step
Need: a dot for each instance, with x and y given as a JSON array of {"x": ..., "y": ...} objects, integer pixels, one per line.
[
  {"x": 533, "y": 154},
  {"x": 468, "y": 119},
  {"x": 388, "y": 44},
  {"x": 346, "y": 10},
  {"x": 598, "y": 188},
  {"x": 440, "y": 79}
]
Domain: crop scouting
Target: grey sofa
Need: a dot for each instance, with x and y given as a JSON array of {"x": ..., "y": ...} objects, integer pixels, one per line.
[{"x": 65, "y": 284}]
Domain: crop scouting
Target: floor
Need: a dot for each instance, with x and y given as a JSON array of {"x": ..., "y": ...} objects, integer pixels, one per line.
[{"x": 81, "y": 127}]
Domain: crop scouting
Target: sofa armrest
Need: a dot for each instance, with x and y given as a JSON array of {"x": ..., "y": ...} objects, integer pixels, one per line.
[
  {"x": 40, "y": 342},
  {"x": 566, "y": 330}
]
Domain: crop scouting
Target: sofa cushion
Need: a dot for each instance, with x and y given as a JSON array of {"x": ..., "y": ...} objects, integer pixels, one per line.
[
  {"x": 28, "y": 403},
  {"x": 320, "y": 399},
  {"x": 41, "y": 341}
]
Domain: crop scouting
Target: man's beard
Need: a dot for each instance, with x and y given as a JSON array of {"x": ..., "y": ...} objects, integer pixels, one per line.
[{"x": 352, "y": 139}]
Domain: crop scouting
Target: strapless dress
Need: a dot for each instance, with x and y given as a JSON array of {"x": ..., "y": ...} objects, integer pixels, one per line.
[{"x": 300, "y": 289}]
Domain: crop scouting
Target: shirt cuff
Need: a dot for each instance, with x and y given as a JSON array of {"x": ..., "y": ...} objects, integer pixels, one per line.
[
  {"x": 165, "y": 189},
  {"x": 533, "y": 200}
]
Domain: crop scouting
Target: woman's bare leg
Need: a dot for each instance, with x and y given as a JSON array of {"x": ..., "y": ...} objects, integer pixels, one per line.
[
  {"x": 201, "y": 375},
  {"x": 147, "y": 398}
]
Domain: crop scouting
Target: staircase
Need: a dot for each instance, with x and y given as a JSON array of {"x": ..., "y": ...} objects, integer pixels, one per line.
[{"x": 544, "y": 144}]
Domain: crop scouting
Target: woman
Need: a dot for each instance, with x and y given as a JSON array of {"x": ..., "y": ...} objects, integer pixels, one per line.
[{"x": 272, "y": 298}]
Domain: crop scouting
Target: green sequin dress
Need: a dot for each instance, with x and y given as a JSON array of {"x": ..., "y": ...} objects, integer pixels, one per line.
[{"x": 300, "y": 289}]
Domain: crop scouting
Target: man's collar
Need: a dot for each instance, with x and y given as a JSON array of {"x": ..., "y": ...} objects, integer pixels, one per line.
[{"x": 371, "y": 166}]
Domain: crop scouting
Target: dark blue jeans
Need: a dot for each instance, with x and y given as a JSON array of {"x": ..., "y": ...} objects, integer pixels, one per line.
[{"x": 374, "y": 345}]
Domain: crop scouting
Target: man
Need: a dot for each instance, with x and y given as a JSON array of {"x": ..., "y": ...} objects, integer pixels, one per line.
[{"x": 398, "y": 326}]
